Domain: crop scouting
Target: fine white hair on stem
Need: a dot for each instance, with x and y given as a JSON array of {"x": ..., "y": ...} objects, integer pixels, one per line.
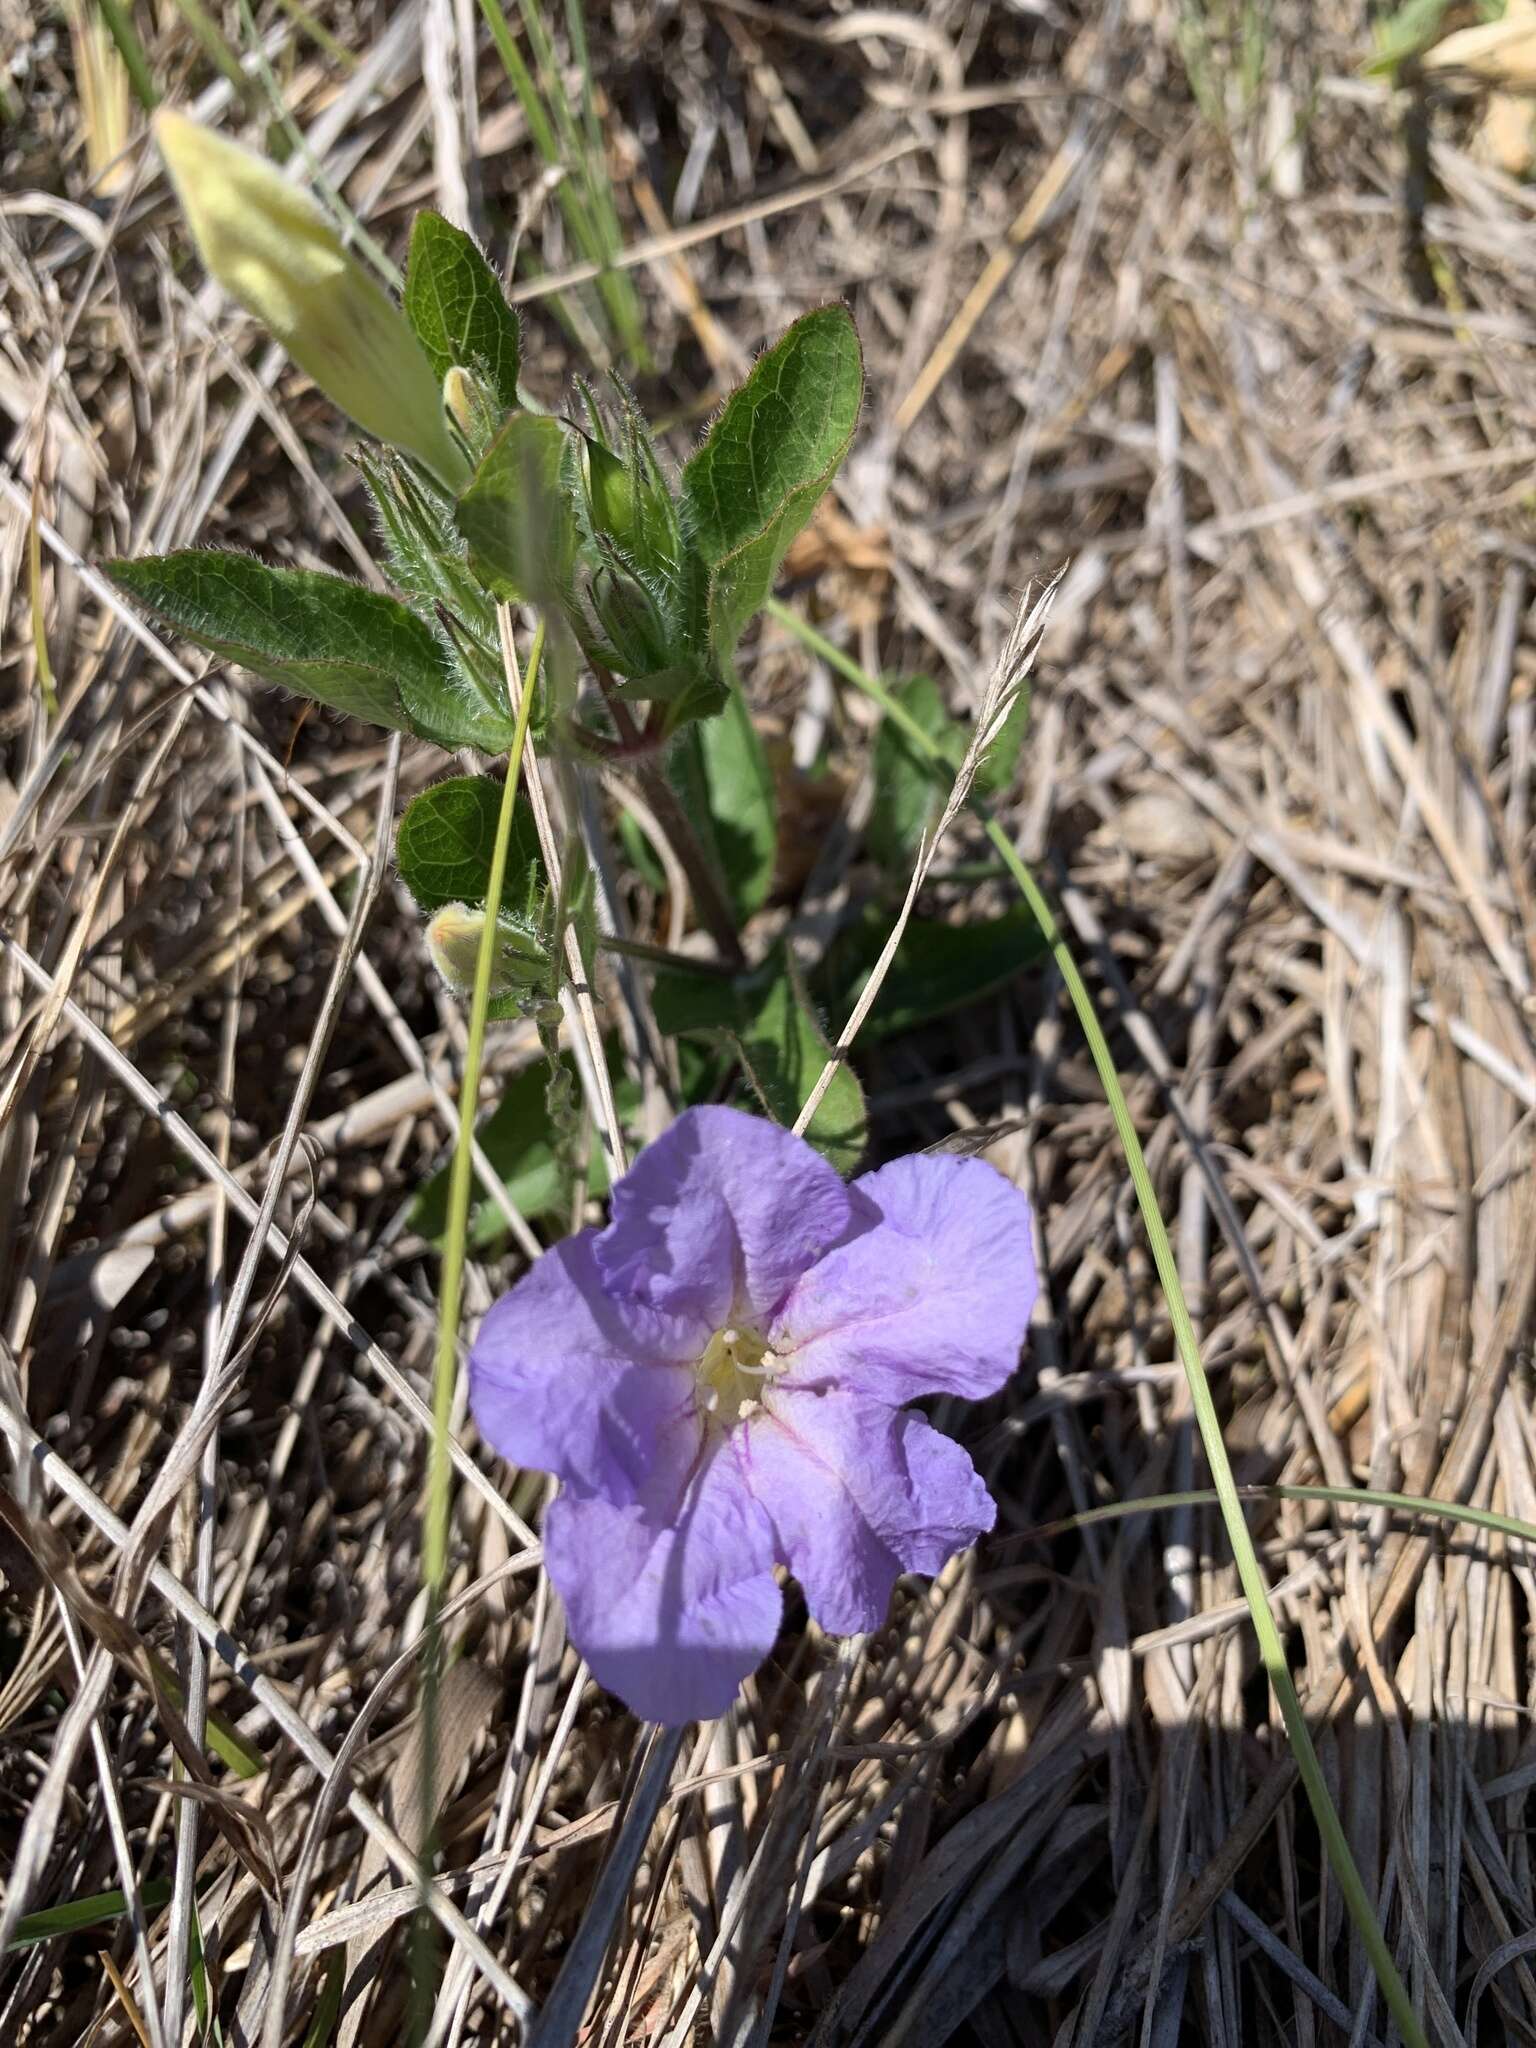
[{"x": 1004, "y": 686}]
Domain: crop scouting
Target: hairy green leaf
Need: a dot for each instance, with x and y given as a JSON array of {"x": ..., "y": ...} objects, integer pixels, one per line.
[
  {"x": 457, "y": 307},
  {"x": 454, "y": 707},
  {"x": 516, "y": 516},
  {"x": 783, "y": 1050},
  {"x": 766, "y": 462},
  {"x": 694, "y": 1003},
  {"x": 445, "y": 843},
  {"x": 906, "y": 793},
  {"x": 353, "y": 649}
]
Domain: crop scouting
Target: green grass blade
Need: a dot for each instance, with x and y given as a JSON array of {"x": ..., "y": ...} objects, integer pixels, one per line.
[
  {"x": 211, "y": 40},
  {"x": 96, "y": 1909},
  {"x": 1336, "y": 1496},
  {"x": 118, "y": 16},
  {"x": 328, "y": 2011},
  {"x": 584, "y": 195},
  {"x": 1249, "y": 1571},
  {"x": 220, "y": 1735}
]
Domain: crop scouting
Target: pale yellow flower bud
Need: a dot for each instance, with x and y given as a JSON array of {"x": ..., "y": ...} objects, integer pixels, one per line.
[
  {"x": 453, "y": 940},
  {"x": 270, "y": 246},
  {"x": 459, "y": 397}
]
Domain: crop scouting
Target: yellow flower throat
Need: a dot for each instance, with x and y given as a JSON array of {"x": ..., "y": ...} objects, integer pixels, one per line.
[{"x": 731, "y": 1375}]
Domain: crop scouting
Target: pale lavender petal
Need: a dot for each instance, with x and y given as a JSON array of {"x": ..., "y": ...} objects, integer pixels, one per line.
[
  {"x": 858, "y": 1493},
  {"x": 671, "y": 1616},
  {"x": 559, "y": 1382},
  {"x": 935, "y": 1298},
  {"x": 720, "y": 1216}
]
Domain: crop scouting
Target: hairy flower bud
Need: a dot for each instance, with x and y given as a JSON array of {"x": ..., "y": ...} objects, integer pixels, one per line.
[
  {"x": 272, "y": 248},
  {"x": 453, "y": 940}
]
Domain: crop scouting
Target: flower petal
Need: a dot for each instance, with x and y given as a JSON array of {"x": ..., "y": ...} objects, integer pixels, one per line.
[
  {"x": 720, "y": 1216},
  {"x": 560, "y": 1381},
  {"x": 935, "y": 1298},
  {"x": 859, "y": 1493},
  {"x": 670, "y": 1616}
]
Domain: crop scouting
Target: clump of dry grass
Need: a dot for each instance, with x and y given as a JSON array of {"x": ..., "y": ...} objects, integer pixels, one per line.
[{"x": 1271, "y": 395}]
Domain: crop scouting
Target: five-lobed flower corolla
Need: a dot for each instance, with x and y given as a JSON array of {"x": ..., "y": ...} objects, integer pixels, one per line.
[{"x": 719, "y": 1379}]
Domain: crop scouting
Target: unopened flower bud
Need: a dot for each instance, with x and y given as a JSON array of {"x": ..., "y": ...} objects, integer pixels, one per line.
[
  {"x": 459, "y": 398},
  {"x": 453, "y": 939},
  {"x": 269, "y": 244}
]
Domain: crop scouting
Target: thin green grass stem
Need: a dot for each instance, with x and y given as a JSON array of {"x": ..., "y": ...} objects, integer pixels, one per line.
[
  {"x": 445, "y": 1372},
  {"x": 211, "y": 40},
  {"x": 1337, "y": 1496},
  {"x": 120, "y": 27},
  {"x": 351, "y": 228},
  {"x": 319, "y": 34},
  {"x": 1249, "y": 1570}
]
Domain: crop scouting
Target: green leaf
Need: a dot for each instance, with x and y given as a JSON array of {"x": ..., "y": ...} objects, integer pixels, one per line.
[
  {"x": 721, "y": 773},
  {"x": 695, "y": 1002},
  {"x": 783, "y": 1050},
  {"x": 94, "y": 1910},
  {"x": 767, "y": 461},
  {"x": 328, "y": 2005},
  {"x": 221, "y": 1736},
  {"x": 453, "y": 710},
  {"x": 353, "y": 649},
  {"x": 516, "y": 516},
  {"x": 456, "y": 305},
  {"x": 906, "y": 792},
  {"x": 445, "y": 843},
  {"x": 938, "y": 967},
  {"x": 515, "y": 1139},
  {"x": 1409, "y": 32},
  {"x": 467, "y": 705},
  {"x": 767, "y": 1019}
]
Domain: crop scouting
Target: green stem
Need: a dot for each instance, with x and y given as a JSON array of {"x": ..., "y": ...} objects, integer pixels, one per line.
[
  {"x": 218, "y": 52},
  {"x": 435, "y": 1520},
  {"x": 1249, "y": 1570},
  {"x": 1335, "y": 1496},
  {"x": 120, "y": 27},
  {"x": 663, "y": 956}
]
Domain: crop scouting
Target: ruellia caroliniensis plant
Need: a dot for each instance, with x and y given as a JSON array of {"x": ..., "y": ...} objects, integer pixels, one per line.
[{"x": 720, "y": 1376}]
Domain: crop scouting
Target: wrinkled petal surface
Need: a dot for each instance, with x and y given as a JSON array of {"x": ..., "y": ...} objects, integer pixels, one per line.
[
  {"x": 560, "y": 1382},
  {"x": 934, "y": 1299},
  {"x": 720, "y": 1216},
  {"x": 857, "y": 1494},
  {"x": 670, "y": 1616}
]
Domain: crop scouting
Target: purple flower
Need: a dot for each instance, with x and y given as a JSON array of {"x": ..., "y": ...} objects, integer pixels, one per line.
[{"x": 718, "y": 1378}]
